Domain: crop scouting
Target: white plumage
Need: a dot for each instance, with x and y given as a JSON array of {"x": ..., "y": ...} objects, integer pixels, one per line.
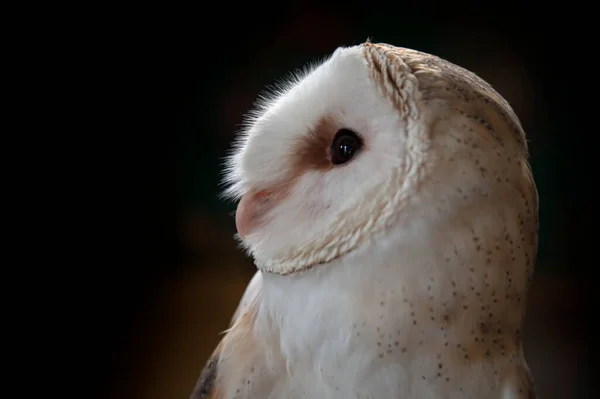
[{"x": 401, "y": 272}]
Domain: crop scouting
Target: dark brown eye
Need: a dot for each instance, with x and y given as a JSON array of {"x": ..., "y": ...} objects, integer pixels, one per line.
[{"x": 345, "y": 145}]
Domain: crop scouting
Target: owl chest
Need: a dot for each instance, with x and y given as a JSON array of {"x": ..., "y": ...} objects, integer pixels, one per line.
[
  {"x": 370, "y": 357},
  {"x": 353, "y": 378},
  {"x": 390, "y": 377},
  {"x": 353, "y": 353}
]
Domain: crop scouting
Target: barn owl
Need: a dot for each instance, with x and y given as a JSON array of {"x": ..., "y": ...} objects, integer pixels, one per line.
[{"x": 386, "y": 198}]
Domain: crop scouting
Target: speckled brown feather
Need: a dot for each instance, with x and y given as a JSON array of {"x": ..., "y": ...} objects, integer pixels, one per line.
[
  {"x": 438, "y": 79},
  {"x": 483, "y": 111}
]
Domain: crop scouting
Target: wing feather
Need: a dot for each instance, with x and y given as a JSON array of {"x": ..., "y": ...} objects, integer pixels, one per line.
[
  {"x": 205, "y": 386},
  {"x": 208, "y": 385}
]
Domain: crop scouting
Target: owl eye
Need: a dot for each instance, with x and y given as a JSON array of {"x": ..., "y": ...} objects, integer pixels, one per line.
[{"x": 345, "y": 145}]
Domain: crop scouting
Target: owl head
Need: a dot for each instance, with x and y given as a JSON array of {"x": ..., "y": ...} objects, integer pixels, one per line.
[{"x": 373, "y": 139}]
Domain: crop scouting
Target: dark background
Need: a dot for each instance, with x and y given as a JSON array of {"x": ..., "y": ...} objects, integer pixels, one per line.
[{"x": 172, "y": 85}]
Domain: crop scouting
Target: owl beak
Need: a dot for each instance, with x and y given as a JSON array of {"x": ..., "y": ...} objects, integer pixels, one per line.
[{"x": 250, "y": 210}]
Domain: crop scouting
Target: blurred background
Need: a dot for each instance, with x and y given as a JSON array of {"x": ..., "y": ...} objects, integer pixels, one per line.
[{"x": 182, "y": 80}]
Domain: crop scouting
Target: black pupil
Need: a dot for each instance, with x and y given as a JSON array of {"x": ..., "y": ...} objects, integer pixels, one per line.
[{"x": 344, "y": 147}]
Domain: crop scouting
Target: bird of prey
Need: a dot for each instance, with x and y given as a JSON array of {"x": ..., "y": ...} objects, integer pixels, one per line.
[{"x": 386, "y": 198}]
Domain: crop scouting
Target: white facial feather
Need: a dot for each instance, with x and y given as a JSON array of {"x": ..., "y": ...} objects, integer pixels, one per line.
[
  {"x": 404, "y": 272},
  {"x": 326, "y": 214}
]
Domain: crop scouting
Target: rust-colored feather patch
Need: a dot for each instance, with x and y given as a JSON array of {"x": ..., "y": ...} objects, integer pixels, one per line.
[{"x": 313, "y": 151}]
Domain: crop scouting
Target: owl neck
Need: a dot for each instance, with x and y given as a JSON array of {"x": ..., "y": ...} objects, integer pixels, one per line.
[{"x": 451, "y": 289}]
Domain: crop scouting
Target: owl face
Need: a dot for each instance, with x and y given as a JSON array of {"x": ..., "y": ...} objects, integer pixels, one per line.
[
  {"x": 310, "y": 158},
  {"x": 340, "y": 152}
]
